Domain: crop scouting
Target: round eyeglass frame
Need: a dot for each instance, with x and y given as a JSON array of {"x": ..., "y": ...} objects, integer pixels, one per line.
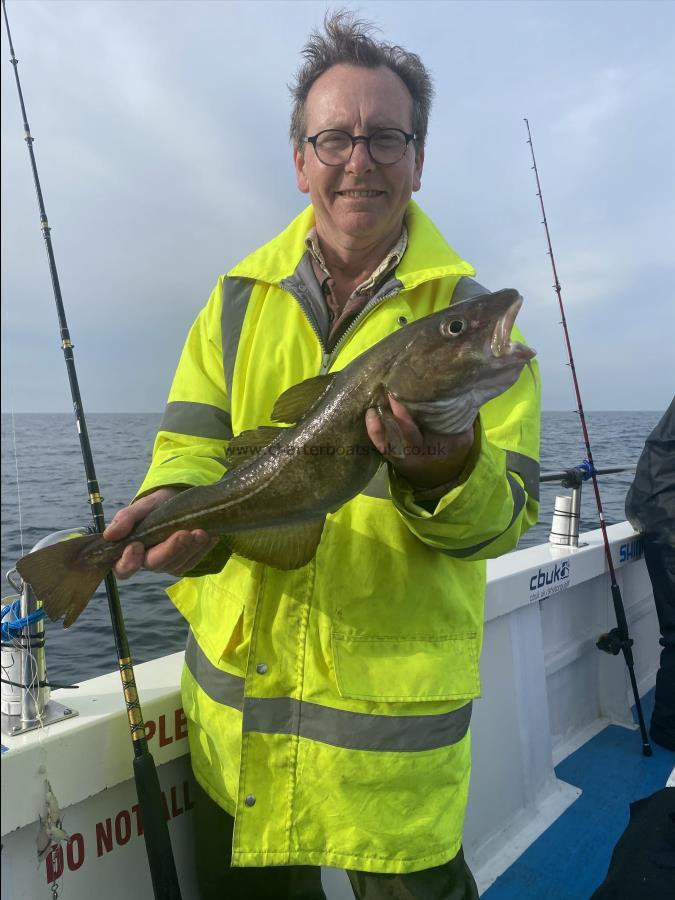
[{"x": 355, "y": 139}]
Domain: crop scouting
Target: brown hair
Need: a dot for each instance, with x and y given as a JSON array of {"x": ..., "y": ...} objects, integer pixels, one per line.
[{"x": 348, "y": 40}]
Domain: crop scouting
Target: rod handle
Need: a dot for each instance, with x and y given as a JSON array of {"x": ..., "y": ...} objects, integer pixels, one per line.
[{"x": 155, "y": 830}]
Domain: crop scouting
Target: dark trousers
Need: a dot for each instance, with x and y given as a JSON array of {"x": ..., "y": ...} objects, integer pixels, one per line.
[
  {"x": 219, "y": 881},
  {"x": 643, "y": 860},
  {"x": 660, "y": 559}
]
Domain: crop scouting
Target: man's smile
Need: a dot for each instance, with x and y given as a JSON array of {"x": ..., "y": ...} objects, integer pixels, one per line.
[{"x": 359, "y": 195}]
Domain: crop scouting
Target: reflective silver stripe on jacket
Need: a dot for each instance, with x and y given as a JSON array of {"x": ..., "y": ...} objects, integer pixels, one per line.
[
  {"x": 519, "y": 498},
  {"x": 337, "y": 727},
  {"x": 527, "y": 468},
  {"x": 197, "y": 419},
  {"x": 236, "y": 294},
  {"x": 220, "y": 686}
]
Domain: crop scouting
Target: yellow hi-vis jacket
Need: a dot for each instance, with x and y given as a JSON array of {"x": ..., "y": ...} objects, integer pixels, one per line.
[{"x": 329, "y": 706}]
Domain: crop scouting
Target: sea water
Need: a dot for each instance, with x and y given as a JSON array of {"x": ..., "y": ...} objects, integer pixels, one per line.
[{"x": 44, "y": 490}]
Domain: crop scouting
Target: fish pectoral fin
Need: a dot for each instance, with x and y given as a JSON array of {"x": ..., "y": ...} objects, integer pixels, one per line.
[
  {"x": 392, "y": 432},
  {"x": 249, "y": 444},
  {"x": 282, "y": 548},
  {"x": 297, "y": 400}
]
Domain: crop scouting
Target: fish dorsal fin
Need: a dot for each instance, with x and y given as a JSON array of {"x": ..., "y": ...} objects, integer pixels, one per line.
[
  {"x": 282, "y": 548},
  {"x": 297, "y": 400},
  {"x": 249, "y": 444}
]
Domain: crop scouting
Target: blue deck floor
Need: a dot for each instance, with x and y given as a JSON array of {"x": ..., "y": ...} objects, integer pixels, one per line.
[{"x": 570, "y": 860}]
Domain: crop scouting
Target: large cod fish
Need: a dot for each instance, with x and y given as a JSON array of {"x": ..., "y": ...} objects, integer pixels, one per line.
[{"x": 271, "y": 504}]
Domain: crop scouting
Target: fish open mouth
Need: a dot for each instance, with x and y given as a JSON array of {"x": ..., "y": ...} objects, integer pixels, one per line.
[{"x": 501, "y": 343}]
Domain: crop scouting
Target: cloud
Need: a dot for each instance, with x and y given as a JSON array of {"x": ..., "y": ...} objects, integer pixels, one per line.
[
  {"x": 590, "y": 105},
  {"x": 161, "y": 138}
]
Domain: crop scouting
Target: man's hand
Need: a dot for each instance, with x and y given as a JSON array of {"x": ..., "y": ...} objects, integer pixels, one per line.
[
  {"x": 178, "y": 554},
  {"x": 426, "y": 460}
]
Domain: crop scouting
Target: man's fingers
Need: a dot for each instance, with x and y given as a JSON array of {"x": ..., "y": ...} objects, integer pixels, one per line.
[
  {"x": 179, "y": 553},
  {"x": 171, "y": 551},
  {"x": 124, "y": 520},
  {"x": 190, "y": 561},
  {"x": 407, "y": 425},
  {"x": 393, "y": 431},
  {"x": 176, "y": 553},
  {"x": 120, "y": 525},
  {"x": 375, "y": 430},
  {"x": 130, "y": 561}
]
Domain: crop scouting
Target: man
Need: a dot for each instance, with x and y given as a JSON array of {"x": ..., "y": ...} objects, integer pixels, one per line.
[
  {"x": 328, "y": 706},
  {"x": 650, "y": 508}
]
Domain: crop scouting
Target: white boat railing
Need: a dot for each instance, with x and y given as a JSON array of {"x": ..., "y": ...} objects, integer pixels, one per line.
[{"x": 546, "y": 690}]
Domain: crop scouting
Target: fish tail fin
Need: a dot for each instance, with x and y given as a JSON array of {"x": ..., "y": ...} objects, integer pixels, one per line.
[{"x": 65, "y": 575}]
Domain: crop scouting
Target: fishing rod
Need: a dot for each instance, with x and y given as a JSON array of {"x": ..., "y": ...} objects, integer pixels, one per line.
[
  {"x": 617, "y": 640},
  {"x": 155, "y": 828}
]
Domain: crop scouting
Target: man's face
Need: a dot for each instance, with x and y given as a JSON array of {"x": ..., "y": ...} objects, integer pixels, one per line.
[{"x": 358, "y": 101}]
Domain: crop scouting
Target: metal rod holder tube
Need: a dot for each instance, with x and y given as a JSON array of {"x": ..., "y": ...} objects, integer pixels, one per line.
[
  {"x": 562, "y": 525},
  {"x": 26, "y": 703},
  {"x": 34, "y": 698},
  {"x": 575, "y": 512}
]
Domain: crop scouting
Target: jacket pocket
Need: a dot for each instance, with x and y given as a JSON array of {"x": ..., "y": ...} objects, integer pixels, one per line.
[
  {"x": 214, "y": 614},
  {"x": 415, "y": 668}
]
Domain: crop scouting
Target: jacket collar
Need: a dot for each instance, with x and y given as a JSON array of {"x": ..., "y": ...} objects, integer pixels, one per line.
[{"x": 428, "y": 254}]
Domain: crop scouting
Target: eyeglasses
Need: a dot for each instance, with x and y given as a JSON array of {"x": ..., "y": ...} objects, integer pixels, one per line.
[{"x": 385, "y": 146}]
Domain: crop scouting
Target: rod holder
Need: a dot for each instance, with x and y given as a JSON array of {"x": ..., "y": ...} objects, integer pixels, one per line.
[
  {"x": 26, "y": 702},
  {"x": 565, "y": 524}
]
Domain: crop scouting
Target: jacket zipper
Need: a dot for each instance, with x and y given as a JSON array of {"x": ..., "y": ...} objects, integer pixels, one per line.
[
  {"x": 328, "y": 357},
  {"x": 367, "y": 309}
]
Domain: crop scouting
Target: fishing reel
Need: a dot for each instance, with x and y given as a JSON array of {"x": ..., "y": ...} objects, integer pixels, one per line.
[{"x": 613, "y": 643}]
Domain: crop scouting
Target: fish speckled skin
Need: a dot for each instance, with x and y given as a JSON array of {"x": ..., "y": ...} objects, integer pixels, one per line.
[{"x": 272, "y": 502}]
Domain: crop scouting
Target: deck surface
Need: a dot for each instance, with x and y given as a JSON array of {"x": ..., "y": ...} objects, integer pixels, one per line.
[{"x": 570, "y": 860}]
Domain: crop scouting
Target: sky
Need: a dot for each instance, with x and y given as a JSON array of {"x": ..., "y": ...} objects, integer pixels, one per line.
[{"x": 161, "y": 142}]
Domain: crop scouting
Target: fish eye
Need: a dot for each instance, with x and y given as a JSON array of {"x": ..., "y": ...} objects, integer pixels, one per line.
[{"x": 452, "y": 328}]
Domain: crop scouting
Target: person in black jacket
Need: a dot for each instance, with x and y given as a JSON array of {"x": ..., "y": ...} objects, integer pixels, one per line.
[{"x": 650, "y": 508}]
